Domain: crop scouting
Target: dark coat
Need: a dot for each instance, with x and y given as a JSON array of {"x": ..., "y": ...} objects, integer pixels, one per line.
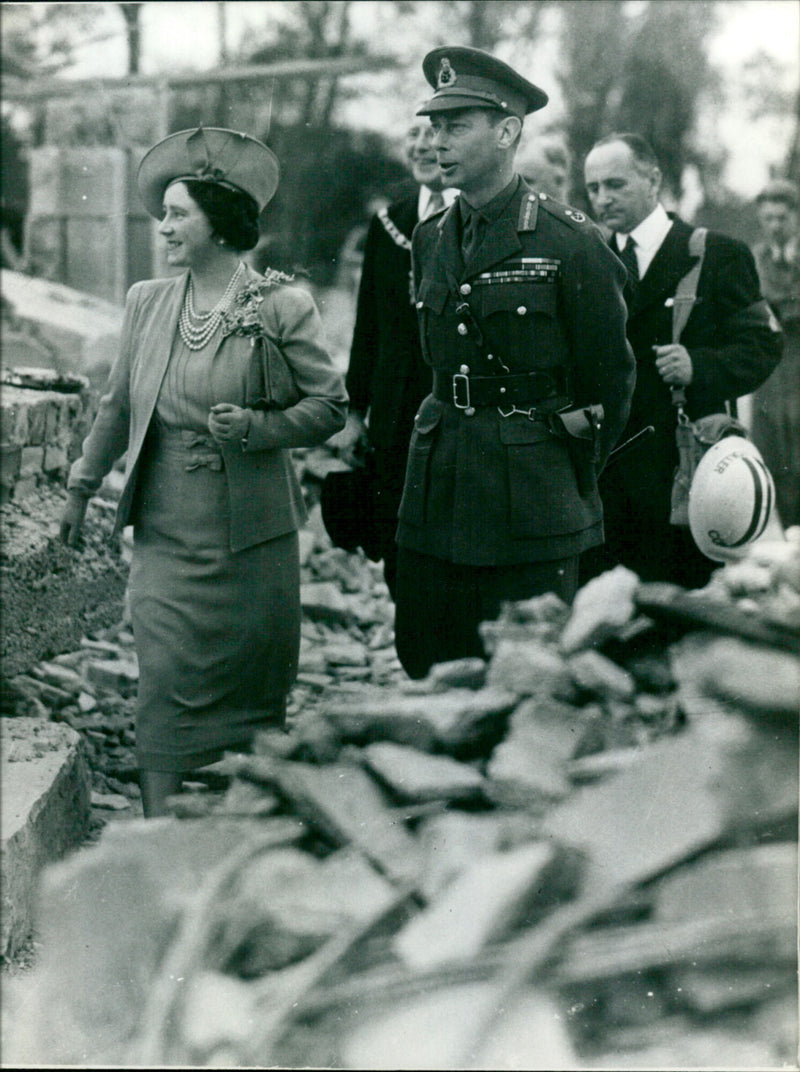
[
  {"x": 487, "y": 489},
  {"x": 734, "y": 344},
  {"x": 386, "y": 374}
]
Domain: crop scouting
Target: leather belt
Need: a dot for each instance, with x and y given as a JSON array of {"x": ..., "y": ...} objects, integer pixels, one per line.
[{"x": 522, "y": 389}]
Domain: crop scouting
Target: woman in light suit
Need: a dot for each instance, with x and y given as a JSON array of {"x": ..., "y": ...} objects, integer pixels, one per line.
[{"x": 221, "y": 372}]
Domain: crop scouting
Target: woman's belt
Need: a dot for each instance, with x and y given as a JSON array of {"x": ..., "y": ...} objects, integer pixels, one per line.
[
  {"x": 521, "y": 389},
  {"x": 199, "y": 449}
]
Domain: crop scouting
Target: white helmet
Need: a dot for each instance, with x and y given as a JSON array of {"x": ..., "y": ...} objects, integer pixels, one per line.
[{"x": 732, "y": 500}]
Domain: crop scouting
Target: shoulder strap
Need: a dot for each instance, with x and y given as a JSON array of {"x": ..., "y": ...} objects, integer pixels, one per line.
[{"x": 686, "y": 292}]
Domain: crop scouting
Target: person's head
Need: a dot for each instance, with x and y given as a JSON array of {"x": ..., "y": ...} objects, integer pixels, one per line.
[
  {"x": 420, "y": 154},
  {"x": 777, "y": 206},
  {"x": 207, "y": 186},
  {"x": 544, "y": 162},
  {"x": 476, "y": 112},
  {"x": 199, "y": 218},
  {"x": 623, "y": 181}
]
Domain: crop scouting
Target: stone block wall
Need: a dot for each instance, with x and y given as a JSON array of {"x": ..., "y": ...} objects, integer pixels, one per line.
[
  {"x": 45, "y": 417},
  {"x": 51, "y": 595}
]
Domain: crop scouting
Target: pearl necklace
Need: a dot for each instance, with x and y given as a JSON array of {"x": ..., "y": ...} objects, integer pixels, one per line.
[{"x": 197, "y": 335}]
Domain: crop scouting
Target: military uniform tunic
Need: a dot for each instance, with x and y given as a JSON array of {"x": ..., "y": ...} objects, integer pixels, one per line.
[{"x": 490, "y": 485}]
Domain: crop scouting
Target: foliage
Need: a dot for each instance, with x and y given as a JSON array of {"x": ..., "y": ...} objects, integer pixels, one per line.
[{"x": 642, "y": 69}]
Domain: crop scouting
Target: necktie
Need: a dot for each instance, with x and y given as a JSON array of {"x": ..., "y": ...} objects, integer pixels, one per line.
[
  {"x": 628, "y": 258},
  {"x": 470, "y": 236},
  {"x": 436, "y": 203}
]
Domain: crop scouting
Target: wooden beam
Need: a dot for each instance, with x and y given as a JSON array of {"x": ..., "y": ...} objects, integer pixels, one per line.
[{"x": 17, "y": 89}]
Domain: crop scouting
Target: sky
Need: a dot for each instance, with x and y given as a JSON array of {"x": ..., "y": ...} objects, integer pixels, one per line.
[{"x": 179, "y": 34}]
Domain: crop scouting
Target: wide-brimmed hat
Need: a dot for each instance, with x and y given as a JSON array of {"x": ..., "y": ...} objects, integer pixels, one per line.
[
  {"x": 470, "y": 78},
  {"x": 210, "y": 154}
]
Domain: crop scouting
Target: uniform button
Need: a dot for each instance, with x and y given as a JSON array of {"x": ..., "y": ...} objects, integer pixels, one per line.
[
  {"x": 419, "y": 304},
  {"x": 465, "y": 289},
  {"x": 490, "y": 357},
  {"x": 522, "y": 309},
  {"x": 502, "y": 390},
  {"x": 543, "y": 197},
  {"x": 462, "y": 329},
  {"x": 464, "y": 370},
  {"x": 469, "y": 411}
]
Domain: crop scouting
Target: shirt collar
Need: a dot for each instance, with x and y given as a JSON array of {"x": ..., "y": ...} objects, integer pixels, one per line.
[
  {"x": 424, "y": 199},
  {"x": 492, "y": 210},
  {"x": 650, "y": 233}
]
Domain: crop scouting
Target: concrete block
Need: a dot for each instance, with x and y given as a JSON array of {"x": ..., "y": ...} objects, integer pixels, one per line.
[
  {"x": 55, "y": 459},
  {"x": 10, "y": 462},
  {"x": 44, "y": 789},
  {"x": 31, "y": 460}
]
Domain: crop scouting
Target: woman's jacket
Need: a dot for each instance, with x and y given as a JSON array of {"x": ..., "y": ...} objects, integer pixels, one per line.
[{"x": 265, "y": 496}]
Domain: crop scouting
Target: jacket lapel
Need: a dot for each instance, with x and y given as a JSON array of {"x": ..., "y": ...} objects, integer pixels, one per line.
[
  {"x": 500, "y": 241},
  {"x": 670, "y": 264}
]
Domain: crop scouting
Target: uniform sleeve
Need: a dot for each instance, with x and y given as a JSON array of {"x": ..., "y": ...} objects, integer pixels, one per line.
[
  {"x": 108, "y": 438},
  {"x": 364, "y": 345},
  {"x": 322, "y": 409},
  {"x": 603, "y": 368},
  {"x": 747, "y": 341}
]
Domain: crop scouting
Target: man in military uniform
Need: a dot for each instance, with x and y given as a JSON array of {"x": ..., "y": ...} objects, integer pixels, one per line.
[
  {"x": 521, "y": 316},
  {"x": 386, "y": 376}
]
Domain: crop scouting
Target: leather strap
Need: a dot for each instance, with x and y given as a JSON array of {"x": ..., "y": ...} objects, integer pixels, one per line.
[{"x": 523, "y": 389}]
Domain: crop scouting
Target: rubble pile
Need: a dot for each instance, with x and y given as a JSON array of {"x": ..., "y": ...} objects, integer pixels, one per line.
[{"x": 579, "y": 852}]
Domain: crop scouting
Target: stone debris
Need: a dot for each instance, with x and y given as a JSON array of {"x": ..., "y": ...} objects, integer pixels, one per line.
[{"x": 574, "y": 852}]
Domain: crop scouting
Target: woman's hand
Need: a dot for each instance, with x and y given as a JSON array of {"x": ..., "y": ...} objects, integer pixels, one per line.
[
  {"x": 228, "y": 423},
  {"x": 72, "y": 519}
]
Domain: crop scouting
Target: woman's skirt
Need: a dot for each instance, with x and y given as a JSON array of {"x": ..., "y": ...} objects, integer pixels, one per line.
[{"x": 217, "y": 633}]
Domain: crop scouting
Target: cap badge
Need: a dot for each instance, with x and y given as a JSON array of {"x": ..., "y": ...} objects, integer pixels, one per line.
[{"x": 447, "y": 76}]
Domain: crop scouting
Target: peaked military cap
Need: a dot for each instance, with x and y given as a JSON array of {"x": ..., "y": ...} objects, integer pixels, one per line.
[
  {"x": 209, "y": 154},
  {"x": 465, "y": 77}
]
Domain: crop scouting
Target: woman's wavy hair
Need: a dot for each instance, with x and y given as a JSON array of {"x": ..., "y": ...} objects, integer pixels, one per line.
[{"x": 232, "y": 214}]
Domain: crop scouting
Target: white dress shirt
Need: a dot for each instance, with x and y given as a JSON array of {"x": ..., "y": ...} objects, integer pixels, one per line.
[
  {"x": 648, "y": 236},
  {"x": 425, "y": 194}
]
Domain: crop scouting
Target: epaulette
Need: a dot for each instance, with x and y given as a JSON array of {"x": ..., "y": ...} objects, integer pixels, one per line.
[{"x": 573, "y": 217}]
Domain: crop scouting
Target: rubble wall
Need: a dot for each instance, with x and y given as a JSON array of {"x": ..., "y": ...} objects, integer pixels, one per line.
[{"x": 51, "y": 596}]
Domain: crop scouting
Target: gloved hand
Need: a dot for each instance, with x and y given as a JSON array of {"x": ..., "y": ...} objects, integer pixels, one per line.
[
  {"x": 72, "y": 519},
  {"x": 351, "y": 440}
]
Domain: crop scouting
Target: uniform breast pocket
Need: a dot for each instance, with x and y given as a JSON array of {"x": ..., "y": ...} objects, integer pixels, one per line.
[
  {"x": 415, "y": 492},
  {"x": 543, "y": 495},
  {"x": 431, "y": 302},
  {"x": 519, "y": 315}
]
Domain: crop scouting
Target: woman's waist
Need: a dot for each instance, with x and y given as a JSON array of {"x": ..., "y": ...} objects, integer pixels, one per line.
[{"x": 195, "y": 448}]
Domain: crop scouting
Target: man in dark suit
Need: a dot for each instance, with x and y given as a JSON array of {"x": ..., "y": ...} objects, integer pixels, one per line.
[
  {"x": 386, "y": 377},
  {"x": 729, "y": 346},
  {"x": 521, "y": 316}
]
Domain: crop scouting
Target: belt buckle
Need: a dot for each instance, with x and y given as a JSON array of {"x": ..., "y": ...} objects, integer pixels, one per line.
[{"x": 458, "y": 379}]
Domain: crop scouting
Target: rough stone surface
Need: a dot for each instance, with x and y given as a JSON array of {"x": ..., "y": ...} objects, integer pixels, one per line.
[
  {"x": 53, "y": 595},
  {"x": 45, "y": 813}
]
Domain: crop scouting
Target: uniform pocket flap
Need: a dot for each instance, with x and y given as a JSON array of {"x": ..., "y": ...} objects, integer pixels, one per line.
[
  {"x": 519, "y": 299},
  {"x": 518, "y": 430},
  {"x": 432, "y": 295}
]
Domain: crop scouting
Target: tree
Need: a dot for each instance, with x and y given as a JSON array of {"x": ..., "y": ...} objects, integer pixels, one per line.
[{"x": 642, "y": 69}]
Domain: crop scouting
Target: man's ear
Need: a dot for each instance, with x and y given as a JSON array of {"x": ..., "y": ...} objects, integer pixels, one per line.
[{"x": 508, "y": 131}]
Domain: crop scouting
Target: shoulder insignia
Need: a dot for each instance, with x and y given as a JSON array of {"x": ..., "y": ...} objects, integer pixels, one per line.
[
  {"x": 393, "y": 231},
  {"x": 528, "y": 212},
  {"x": 573, "y": 217}
]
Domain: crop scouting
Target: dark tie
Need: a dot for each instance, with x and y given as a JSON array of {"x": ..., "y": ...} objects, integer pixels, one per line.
[
  {"x": 470, "y": 236},
  {"x": 628, "y": 258}
]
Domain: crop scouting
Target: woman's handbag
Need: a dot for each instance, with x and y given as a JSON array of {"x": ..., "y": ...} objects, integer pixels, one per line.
[
  {"x": 693, "y": 438},
  {"x": 270, "y": 383}
]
